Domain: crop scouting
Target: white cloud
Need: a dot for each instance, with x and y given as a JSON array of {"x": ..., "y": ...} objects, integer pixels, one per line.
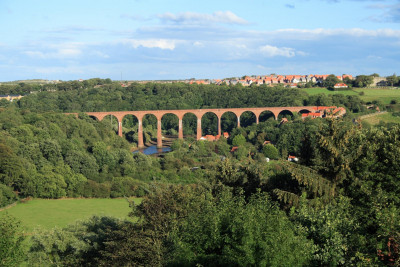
[
  {"x": 198, "y": 44},
  {"x": 350, "y": 32},
  {"x": 164, "y": 44},
  {"x": 63, "y": 51},
  {"x": 226, "y": 17},
  {"x": 100, "y": 54},
  {"x": 273, "y": 51}
]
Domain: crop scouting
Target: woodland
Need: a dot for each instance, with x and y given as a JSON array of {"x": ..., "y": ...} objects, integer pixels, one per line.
[{"x": 203, "y": 205}]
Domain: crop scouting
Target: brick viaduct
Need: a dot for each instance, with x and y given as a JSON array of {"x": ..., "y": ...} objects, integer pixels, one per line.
[{"x": 197, "y": 112}]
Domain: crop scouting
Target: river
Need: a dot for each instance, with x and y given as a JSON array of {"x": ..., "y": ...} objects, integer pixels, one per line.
[{"x": 153, "y": 150}]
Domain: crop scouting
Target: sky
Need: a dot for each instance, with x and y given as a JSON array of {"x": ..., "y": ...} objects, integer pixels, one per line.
[{"x": 182, "y": 39}]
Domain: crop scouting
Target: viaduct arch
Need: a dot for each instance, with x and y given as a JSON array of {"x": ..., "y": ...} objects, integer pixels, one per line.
[{"x": 198, "y": 113}]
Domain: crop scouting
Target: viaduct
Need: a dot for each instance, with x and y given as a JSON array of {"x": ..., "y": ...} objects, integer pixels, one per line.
[{"x": 199, "y": 114}]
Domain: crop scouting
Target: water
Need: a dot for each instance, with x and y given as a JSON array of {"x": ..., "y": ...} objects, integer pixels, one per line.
[{"x": 153, "y": 150}]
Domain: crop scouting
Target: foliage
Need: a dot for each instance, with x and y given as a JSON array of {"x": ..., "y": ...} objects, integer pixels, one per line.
[
  {"x": 363, "y": 81},
  {"x": 392, "y": 80},
  {"x": 81, "y": 244},
  {"x": 11, "y": 242},
  {"x": 238, "y": 140},
  {"x": 191, "y": 226},
  {"x": 270, "y": 151},
  {"x": 229, "y": 231},
  {"x": 330, "y": 81},
  {"x": 331, "y": 227},
  {"x": 7, "y": 196}
]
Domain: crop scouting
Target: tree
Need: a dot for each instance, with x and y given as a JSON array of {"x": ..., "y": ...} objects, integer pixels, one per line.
[
  {"x": 270, "y": 151},
  {"x": 330, "y": 81},
  {"x": 332, "y": 228},
  {"x": 238, "y": 140},
  {"x": 11, "y": 168},
  {"x": 11, "y": 248},
  {"x": 228, "y": 231},
  {"x": 392, "y": 80},
  {"x": 363, "y": 81},
  {"x": 336, "y": 147},
  {"x": 80, "y": 244},
  {"x": 7, "y": 196}
]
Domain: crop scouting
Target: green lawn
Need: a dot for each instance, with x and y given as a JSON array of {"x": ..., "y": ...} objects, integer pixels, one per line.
[
  {"x": 384, "y": 95},
  {"x": 48, "y": 213}
]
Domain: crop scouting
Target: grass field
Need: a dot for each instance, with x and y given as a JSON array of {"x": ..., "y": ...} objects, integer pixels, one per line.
[
  {"x": 48, "y": 213},
  {"x": 386, "y": 117},
  {"x": 384, "y": 95},
  {"x": 318, "y": 90}
]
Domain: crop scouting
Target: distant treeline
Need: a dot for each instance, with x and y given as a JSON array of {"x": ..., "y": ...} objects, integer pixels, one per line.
[{"x": 105, "y": 95}]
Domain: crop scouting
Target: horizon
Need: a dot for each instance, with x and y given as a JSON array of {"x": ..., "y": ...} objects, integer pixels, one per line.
[{"x": 154, "y": 40}]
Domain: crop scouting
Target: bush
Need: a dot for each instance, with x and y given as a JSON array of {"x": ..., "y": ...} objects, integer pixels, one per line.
[
  {"x": 7, "y": 196},
  {"x": 396, "y": 114},
  {"x": 238, "y": 140},
  {"x": 270, "y": 151}
]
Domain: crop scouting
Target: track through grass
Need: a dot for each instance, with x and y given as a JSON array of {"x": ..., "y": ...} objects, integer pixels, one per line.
[{"x": 386, "y": 117}]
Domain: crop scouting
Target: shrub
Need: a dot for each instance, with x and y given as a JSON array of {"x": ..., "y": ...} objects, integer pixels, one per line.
[{"x": 270, "y": 151}]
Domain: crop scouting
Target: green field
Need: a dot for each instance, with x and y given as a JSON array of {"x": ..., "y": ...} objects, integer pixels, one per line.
[
  {"x": 386, "y": 117},
  {"x": 48, "y": 213},
  {"x": 384, "y": 95},
  {"x": 318, "y": 90}
]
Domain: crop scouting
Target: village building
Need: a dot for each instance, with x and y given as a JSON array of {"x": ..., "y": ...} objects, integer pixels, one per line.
[
  {"x": 340, "y": 85},
  {"x": 10, "y": 97}
]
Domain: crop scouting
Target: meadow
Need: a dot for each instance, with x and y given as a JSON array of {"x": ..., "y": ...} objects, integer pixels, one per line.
[
  {"x": 49, "y": 213},
  {"x": 386, "y": 117},
  {"x": 385, "y": 95},
  {"x": 319, "y": 90}
]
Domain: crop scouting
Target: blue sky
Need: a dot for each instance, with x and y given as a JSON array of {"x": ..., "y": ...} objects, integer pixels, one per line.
[{"x": 176, "y": 39}]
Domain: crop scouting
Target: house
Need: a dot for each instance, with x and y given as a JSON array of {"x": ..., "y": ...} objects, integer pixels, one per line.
[
  {"x": 340, "y": 85},
  {"x": 266, "y": 143},
  {"x": 347, "y": 76},
  {"x": 380, "y": 81},
  {"x": 284, "y": 120},
  {"x": 234, "y": 149},
  {"x": 292, "y": 159},
  {"x": 10, "y": 97},
  {"x": 226, "y": 135},
  {"x": 210, "y": 137},
  {"x": 312, "y": 115}
]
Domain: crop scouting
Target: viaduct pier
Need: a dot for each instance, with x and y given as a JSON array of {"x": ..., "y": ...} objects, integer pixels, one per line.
[{"x": 199, "y": 113}]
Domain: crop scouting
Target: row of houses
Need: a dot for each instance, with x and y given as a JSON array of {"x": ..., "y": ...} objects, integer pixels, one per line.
[
  {"x": 289, "y": 80},
  {"x": 10, "y": 97}
]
